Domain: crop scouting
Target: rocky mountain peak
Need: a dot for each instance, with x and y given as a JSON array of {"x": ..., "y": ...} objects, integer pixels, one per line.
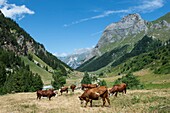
[
  {"x": 131, "y": 18},
  {"x": 129, "y": 25}
]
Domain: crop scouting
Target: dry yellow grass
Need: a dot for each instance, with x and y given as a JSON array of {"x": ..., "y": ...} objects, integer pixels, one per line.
[{"x": 135, "y": 101}]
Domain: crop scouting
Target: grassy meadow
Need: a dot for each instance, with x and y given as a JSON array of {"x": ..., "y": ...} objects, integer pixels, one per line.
[{"x": 135, "y": 101}]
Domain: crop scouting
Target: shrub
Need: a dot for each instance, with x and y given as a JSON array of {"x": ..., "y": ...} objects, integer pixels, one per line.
[
  {"x": 102, "y": 83},
  {"x": 131, "y": 81}
]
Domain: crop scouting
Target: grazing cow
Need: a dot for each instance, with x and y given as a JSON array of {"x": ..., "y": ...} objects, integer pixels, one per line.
[
  {"x": 88, "y": 86},
  {"x": 46, "y": 93},
  {"x": 95, "y": 94},
  {"x": 72, "y": 87},
  {"x": 118, "y": 88},
  {"x": 64, "y": 89},
  {"x": 109, "y": 91}
]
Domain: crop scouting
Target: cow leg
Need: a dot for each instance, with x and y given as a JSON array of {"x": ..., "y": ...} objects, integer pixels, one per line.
[
  {"x": 49, "y": 97},
  {"x": 116, "y": 94},
  {"x": 108, "y": 100},
  {"x": 104, "y": 102},
  {"x": 87, "y": 100},
  {"x": 125, "y": 90},
  {"x": 91, "y": 103}
]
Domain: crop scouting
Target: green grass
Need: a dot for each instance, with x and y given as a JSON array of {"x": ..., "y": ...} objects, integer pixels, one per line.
[
  {"x": 157, "y": 86},
  {"x": 153, "y": 81},
  {"x": 45, "y": 75},
  {"x": 41, "y": 62}
]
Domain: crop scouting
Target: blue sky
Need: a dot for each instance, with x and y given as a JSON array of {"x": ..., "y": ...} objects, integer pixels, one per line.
[{"x": 64, "y": 26}]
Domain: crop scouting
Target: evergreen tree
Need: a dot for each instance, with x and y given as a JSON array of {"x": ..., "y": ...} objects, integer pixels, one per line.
[
  {"x": 59, "y": 80},
  {"x": 22, "y": 81},
  {"x": 2, "y": 74},
  {"x": 86, "y": 79},
  {"x": 37, "y": 83}
]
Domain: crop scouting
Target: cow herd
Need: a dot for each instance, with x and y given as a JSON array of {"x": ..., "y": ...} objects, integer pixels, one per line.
[{"x": 91, "y": 92}]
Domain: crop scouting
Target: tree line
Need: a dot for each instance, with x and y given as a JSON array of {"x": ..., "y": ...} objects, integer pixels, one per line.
[{"x": 15, "y": 76}]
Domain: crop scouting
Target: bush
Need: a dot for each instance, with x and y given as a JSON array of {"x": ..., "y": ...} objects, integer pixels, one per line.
[
  {"x": 102, "y": 83},
  {"x": 131, "y": 81}
]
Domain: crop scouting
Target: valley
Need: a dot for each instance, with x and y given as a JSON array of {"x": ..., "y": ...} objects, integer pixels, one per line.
[{"x": 133, "y": 51}]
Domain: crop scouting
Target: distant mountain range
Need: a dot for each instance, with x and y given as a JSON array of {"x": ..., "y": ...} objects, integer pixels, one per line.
[
  {"x": 76, "y": 59},
  {"x": 121, "y": 38}
]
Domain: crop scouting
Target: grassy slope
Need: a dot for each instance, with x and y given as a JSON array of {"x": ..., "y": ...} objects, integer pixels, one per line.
[
  {"x": 147, "y": 78},
  {"x": 46, "y": 76},
  {"x": 153, "y": 81},
  {"x": 41, "y": 62}
]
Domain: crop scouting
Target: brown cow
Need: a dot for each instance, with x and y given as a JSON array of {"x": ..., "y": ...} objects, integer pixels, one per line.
[
  {"x": 72, "y": 87},
  {"x": 88, "y": 86},
  {"x": 94, "y": 94},
  {"x": 118, "y": 88},
  {"x": 45, "y": 93},
  {"x": 109, "y": 91},
  {"x": 64, "y": 89}
]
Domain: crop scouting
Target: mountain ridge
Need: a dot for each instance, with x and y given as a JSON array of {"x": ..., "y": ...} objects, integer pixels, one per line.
[{"x": 128, "y": 31}]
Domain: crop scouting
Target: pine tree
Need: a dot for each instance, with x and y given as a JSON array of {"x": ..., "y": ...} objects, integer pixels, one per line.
[
  {"x": 86, "y": 79},
  {"x": 59, "y": 80},
  {"x": 2, "y": 74},
  {"x": 37, "y": 83}
]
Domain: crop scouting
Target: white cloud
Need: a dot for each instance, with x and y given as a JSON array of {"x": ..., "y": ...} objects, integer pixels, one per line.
[
  {"x": 99, "y": 32},
  {"x": 148, "y": 6},
  {"x": 2, "y": 2},
  {"x": 76, "y": 51},
  {"x": 145, "y": 6},
  {"x": 82, "y": 50},
  {"x": 106, "y": 13},
  {"x": 60, "y": 54},
  {"x": 13, "y": 11}
]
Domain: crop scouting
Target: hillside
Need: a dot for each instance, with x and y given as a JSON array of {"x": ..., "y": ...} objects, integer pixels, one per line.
[
  {"x": 128, "y": 32},
  {"x": 157, "y": 60},
  {"x": 32, "y": 57}
]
